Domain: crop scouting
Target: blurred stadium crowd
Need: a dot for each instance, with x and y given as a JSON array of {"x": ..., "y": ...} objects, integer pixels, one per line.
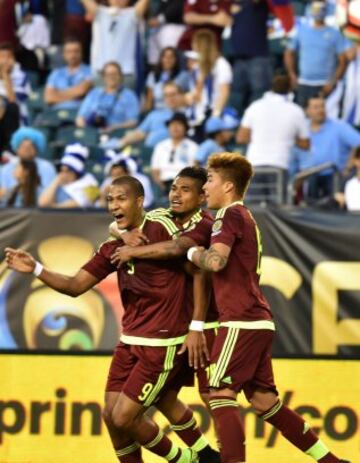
[{"x": 93, "y": 90}]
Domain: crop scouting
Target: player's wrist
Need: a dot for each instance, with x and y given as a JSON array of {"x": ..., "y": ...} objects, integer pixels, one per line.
[
  {"x": 197, "y": 325},
  {"x": 191, "y": 252},
  {"x": 38, "y": 268}
]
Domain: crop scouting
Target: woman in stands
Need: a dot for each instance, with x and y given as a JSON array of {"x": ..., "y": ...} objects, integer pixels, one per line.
[
  {"x": 112, "y": 106},
  {"x": 211, "y": 86},
  {"x": 167, "y": 69}
]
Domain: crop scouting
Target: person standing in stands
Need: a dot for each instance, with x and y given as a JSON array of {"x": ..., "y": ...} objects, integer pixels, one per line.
[
  {"x": 319, "y": 51},
  {"x": 115, "y": 35}
]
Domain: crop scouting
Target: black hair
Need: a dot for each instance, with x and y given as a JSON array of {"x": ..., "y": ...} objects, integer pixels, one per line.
[
  {"x": 132, "y": 182},
  {"x": 196, "y": 173},
  {"x": 176, "y": 69}
]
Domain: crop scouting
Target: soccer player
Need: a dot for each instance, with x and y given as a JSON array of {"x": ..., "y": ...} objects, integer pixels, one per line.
[
  {"x": 145, "y": 364},
  {"x": 241, "y": 355},
  {"x": 194, "y": 228}
]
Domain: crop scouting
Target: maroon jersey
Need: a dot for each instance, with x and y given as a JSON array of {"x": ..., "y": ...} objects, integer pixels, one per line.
[
  {"x": 153, "y": 292},
  {"x": 207, "y": 7},
  {"x": 237, "y": 290},
  {"x": 200, "y": 233}
]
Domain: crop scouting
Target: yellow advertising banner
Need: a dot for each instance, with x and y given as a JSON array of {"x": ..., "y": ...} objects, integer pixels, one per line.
[{"x": 50, "y": 410}]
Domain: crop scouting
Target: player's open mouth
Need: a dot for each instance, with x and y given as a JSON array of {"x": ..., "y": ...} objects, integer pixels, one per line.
[
  {"x": 176, "y": 203},
  {"x": 118, "y": 217}
]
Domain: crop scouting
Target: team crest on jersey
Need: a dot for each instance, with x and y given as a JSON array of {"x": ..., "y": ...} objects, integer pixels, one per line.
[{"x": 216, "y": 228}]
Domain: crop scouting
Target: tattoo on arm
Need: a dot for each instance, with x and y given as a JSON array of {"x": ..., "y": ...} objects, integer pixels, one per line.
[{"x": 212, "y": 261}]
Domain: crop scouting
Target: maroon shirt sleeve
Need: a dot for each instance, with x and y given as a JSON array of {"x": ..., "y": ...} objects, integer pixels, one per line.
[
  {"x": 201, "y": 233},
  {"x": 99, "y": 265},
  {"x": 229, "y": 228}
]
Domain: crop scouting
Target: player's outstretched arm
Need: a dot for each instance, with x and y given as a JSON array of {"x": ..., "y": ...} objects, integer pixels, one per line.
[
  {"x": 23, "y": 262},
  {"x": 213, "y": 259},
  {"x": 164, "y": 250}
]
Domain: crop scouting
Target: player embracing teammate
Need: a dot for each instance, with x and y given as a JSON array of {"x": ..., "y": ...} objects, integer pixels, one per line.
[{"x": 147, "y": 364}]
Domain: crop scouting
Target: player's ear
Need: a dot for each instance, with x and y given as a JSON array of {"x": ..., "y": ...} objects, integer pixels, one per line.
[
  {"x": 140, "y": 201},
  {"x": 228, "y": 186},
  {"x": 202, "y": 199}
]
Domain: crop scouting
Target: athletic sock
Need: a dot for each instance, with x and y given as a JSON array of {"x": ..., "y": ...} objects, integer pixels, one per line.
[
  {"x": 162, "y": 446},
  {"x": 188, "y": 431},
  {"x": 130, "y": 453},
  {"x": 229, "y": 424},
  {"x": 299, "y": 433}
]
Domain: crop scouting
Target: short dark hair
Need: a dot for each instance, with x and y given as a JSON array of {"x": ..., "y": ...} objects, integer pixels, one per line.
[
  {"x": 197, "y": 173},
  {"x": 132, "y": 182},
  {"x": 356, "y": 153},
  {"x": 233, "y": 167},
  {"x": 281, "y": 84},
  {"x": 72, "y": 39},
  {"x": 317, "y": 96},
  {"x": 7, "y": 46}
]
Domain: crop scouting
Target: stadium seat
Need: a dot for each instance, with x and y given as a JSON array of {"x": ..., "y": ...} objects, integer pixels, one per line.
[
  {"x": 35, "y": 103},
  {"x": 145, "y": 155},
  {"x": 34, "y": 79},
  {"x": 55, "y": 118},
  {"x": 87, "y": 135}
]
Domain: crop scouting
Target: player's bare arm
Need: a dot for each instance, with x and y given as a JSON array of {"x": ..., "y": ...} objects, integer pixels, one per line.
[
  {"x": 195, "y": 342},
  {"x": 134, "y": 237},
  {"x": 23, "y": 262},
  {"x": 213, "y": 259},
  {"x": 164, "y": 250}
]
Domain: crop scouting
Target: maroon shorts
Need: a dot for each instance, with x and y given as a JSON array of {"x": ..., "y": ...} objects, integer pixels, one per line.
[
  {"x": 202, "y": 374},
  {"x": 241, "y": 360},
  {"x": 145, "y": 373}
]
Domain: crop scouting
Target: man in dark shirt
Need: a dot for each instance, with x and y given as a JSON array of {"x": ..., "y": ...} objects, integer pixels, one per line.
[
  {"x": 241, "y": 356},
  {"x": 252, "y": 64},
  {"x": 145, "y": 363}
]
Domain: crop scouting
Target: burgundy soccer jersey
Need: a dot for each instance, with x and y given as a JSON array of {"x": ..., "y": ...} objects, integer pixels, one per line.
[
  {"x": 200, "y": 233},
  {"x": 206, "y": 7},
  {"x": 153, "y": 292},
  {"x": 237, "y": 289}
]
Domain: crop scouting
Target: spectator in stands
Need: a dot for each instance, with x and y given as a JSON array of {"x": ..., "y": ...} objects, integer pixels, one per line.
[
  {"x": 153, "y": 128},
  {"x": 110, "y": 107},
  {"x": 8, "y": 22},
  {"x": 34, "y": 37},
  {"x": 72, "y": 187},
  {"x": 167, "y": 69},
  {"x": 29, "y": 145},
  {"x": 213, "y": 78},
  {"x": 351, "y": 99},
  {"x": 320, "y": 52},
  {"x": 121, "y": 164},
  {"x": 351, "y": 196},
  {"x": 9, "y": 123},
  {"x": 24, "y": 193},
  {"x": 68, "y": 85},
  {"x": 271, "y": 126},
  {"x": 219, "y": 132},
  {"x": 14, "y": 83},
  {"x": 173, "y": 154},
  {"x": 115, "y": 35},
  {"x": 252, "y": 62},
  {"x": 214, "y": 15},
  {"x": 166, "y": 27},
  {"x": 331, "y": 141}
]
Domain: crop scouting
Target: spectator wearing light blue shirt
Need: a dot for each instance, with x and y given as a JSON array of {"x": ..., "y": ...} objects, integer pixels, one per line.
[
  {"x": 332, "y": 141},
  {"x": 219, "y": 132},
  {"x": 321, "y": 55},
  {"x": 67, "y": 86},
  {"x": 112, "y": 106},
  {"x": 27, "y": 143},
  {"x": 153, "y": 128}
]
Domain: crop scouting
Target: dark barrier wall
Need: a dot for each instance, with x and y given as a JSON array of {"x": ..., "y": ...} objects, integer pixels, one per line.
[{"x": 310, "y": 274}]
